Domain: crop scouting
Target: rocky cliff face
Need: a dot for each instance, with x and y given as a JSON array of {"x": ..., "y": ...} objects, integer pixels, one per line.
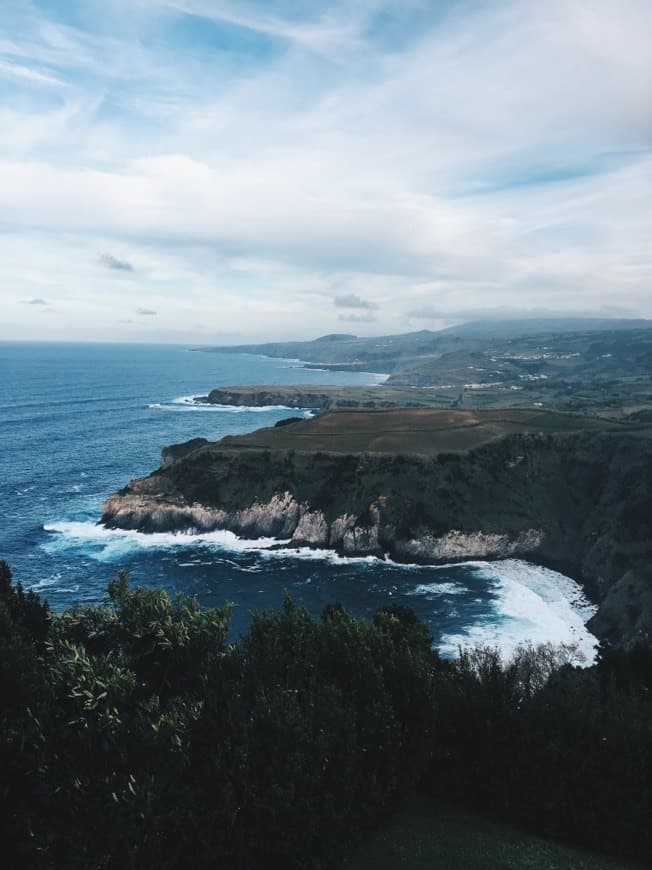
[
  {"x": 259, "y": 397},
  {"x": 581, "y": 503}
]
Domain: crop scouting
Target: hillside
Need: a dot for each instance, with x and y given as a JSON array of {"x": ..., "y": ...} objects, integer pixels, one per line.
[{"x": 587, "y": 366}]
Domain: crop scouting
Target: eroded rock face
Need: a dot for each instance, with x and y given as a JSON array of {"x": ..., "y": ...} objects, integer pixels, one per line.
[
  {"x": 147, "y": 512},
  {"x": 141, "y": 506},
  {"x": 456, "y": 545},
  {"x": 312, "y": 529},
  {"x": 277, "y": 518}
]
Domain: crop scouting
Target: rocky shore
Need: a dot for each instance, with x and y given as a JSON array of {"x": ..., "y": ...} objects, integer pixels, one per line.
[{"x": 581, "y": 503}]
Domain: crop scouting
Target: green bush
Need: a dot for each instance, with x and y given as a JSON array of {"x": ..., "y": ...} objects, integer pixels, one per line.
[
  {"x": 155, "y": 739},
  {"x": 134, "y": 735}
]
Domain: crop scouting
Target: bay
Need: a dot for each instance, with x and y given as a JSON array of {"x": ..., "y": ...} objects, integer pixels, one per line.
[{"x": 78, "y": 421}]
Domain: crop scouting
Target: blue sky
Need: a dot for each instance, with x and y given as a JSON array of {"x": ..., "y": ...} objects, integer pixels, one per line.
[{"x": 212, "y": 170}]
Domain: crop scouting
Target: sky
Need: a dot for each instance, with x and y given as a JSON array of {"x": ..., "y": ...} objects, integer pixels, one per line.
[{"x": 219, "y": 171}]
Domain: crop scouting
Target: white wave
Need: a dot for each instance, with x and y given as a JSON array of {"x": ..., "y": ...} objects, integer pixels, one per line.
[
  {"x": 534, "y": 605},
  {"x": 25, "y": 491},
  {"x": 432, "y": 590},
  {"x": 189, "y": 403},
  {"x": 314, "y": 554},
  {"x": 185, "y": 400},
  {"x": 106, "y": 544},
  {"x": 52, "y": 580}
]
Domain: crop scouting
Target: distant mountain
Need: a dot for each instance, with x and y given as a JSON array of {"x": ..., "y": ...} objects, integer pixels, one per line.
[
  {"x": 543, "y": 325},
  {"x": 337, "y": 336}
]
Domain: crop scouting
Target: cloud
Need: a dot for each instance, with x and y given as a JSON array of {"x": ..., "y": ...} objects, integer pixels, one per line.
[
  {"x": 17, "y": 71},
  {"x": 260, "y": 158},
  {"x": 322, "y": 35},
  {"x": 147, "y": 311},
  {"x": 36, "y": 301},
  {"x": 352, "y": 300},
  {"x": 358, "y": 318},
  {"x": 112, "y": 262}
]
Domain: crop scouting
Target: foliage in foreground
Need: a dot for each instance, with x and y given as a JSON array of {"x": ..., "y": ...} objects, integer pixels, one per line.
[
  {"x": 133, "y": 735},
  {"x": 139, "y": 737}
]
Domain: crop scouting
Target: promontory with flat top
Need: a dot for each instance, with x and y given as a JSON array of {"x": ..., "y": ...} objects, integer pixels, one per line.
[{"x": 431, "y": 486}]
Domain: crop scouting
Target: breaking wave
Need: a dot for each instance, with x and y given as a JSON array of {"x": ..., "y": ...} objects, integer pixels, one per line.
[
  {"x": 190, "y": 403},
  {"x": 536, "y": 605}
]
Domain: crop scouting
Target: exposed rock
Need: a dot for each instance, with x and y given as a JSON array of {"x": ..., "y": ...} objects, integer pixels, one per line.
[
  {"x": 456, "y": 545},
  {"x": 312, "y": 529},
  {"x": 276, "y": 518},
  {"x": 339, "y": 528},
  {"x": 259, "y": 397}
]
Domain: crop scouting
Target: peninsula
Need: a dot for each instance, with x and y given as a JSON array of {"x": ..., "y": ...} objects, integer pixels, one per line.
[{"x": 432, "y": 486}]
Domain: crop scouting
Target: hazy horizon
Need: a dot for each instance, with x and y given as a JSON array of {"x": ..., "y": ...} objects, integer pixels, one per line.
[{"x": 212, "y": 172}]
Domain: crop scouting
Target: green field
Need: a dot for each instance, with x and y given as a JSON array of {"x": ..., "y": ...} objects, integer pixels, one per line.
[
  {"x": 426, "y": 431},
  {"x": 429, "y": 836}
]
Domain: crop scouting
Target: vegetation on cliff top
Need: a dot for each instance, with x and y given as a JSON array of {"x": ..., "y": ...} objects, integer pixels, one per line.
[
  {"x": 132, "y": 735},
  {"x": 425, "y": 431}
]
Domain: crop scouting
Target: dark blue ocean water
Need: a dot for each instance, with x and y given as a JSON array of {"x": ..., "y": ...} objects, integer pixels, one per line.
[{"x": 78, "y": 421}]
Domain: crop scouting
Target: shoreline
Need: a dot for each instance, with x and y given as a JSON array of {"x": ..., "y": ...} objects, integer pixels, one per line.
[
  {"x": 528, "y": 596},
  {"x": 289, "y": 546}
]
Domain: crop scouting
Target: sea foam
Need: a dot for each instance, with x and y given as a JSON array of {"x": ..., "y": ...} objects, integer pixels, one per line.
[
  {"x": 104, "y": 544},
  {"x": 534, "y": 605},
  {"x": 189, "y": 403}
]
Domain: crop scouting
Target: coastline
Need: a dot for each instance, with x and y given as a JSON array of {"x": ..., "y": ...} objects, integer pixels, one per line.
[
  {"x": 531, "y": 603},
  {"x": 552, "y": 499}
]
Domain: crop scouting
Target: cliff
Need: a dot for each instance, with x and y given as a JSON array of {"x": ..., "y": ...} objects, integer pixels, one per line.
[
  {"x": 322, "y": 398},
  {"x": 579, "y": 501}
]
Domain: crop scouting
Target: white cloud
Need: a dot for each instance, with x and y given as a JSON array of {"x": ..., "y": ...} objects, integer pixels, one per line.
[{"x": 499, "y": 158}]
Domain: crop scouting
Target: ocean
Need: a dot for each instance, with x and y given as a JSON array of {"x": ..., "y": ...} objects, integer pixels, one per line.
[{"x": 79, "y": 421}]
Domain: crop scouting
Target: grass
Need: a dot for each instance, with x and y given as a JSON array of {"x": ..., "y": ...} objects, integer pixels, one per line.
[
  {"x": 430, "y": 836},
  {"x": 427, "y": 431}
]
